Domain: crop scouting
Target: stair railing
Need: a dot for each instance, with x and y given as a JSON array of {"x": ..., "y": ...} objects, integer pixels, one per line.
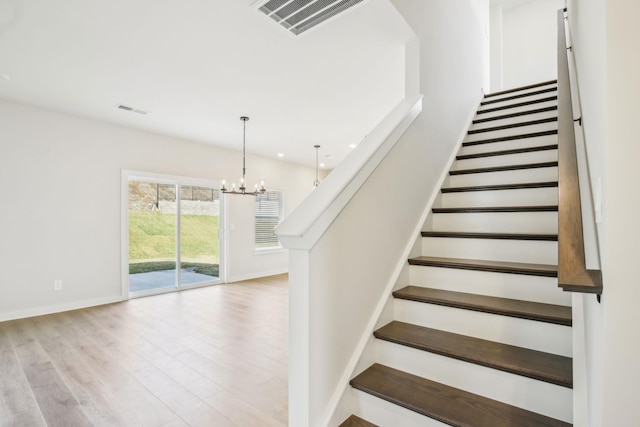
[{"x": 573, "y": 274}]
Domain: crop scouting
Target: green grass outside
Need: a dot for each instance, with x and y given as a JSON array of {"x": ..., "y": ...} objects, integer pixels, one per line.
[{"x": 152, "y": 242}]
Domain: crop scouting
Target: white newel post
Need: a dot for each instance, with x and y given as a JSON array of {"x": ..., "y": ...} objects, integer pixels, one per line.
[{"x": 299, "y": 337}]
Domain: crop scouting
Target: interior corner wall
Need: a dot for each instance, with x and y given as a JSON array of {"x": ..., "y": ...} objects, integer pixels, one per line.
[
  {"x": 527, "y": 36},
  {"x": 60, "y": 215}
]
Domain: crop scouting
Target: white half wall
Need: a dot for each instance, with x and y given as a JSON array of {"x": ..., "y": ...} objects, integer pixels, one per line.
[
  {"x": 523, "y": 42},
  {"x": 61, "y": 205},
  {"x": 339, "y": 275}
]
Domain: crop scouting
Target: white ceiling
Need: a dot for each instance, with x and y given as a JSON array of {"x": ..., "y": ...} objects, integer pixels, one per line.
[{"x": 198, "y": 65}]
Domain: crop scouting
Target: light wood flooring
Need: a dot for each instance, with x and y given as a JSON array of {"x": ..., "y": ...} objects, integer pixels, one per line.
[{"x": 214, "y": 356}]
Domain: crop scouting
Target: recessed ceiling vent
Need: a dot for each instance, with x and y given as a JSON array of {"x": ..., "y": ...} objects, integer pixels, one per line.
[
  {"x": 298, "y": 16},
  {"x": 131, "y": 109}
]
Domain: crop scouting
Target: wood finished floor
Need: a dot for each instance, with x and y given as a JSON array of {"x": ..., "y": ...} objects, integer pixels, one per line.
[{"x": 214, "y": 356}]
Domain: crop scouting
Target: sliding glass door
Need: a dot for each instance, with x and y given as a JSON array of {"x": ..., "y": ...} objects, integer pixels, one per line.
[
  {"x": 173, "y": 235},
  {"x": 199, "y": 235},
  {"x": 152, "y": 236}
]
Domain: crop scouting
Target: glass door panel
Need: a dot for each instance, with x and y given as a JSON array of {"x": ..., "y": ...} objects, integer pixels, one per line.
[
  {"x": 199, "y": 241},
  {"x": 152, "y": 236}
]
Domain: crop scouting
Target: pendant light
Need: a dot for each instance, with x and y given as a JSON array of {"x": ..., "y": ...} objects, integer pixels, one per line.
[
  {"x": 243, "y": 183},
  {"x": 317, "y": 181}
]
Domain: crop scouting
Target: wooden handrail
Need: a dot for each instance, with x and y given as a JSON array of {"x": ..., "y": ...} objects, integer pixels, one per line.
[{"x": 573, "y": 274}]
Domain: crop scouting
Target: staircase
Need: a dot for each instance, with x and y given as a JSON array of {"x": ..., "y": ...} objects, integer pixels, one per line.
[{"x": 482, "y": 334}]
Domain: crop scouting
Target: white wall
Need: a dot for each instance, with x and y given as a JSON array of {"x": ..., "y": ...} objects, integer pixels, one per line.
[
  {"x": 242, "y": 261},
  {"x": 453, "y": 49},
  {"x": 588, "y": 37},
  {"x": 61, "y": 204},
  {"x": 526, "y": 33},
  {"x": 621, "y": 343},
  {"x": 608, "y": 64},
  {"x": 588, "y": 34},
  {"x": 496, "y": 49}
]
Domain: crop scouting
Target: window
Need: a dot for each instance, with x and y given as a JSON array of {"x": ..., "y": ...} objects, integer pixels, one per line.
[{"x": 269, "y": 213}]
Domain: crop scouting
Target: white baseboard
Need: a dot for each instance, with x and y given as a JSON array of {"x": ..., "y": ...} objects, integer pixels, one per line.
[{"x": 57, "y": 308}]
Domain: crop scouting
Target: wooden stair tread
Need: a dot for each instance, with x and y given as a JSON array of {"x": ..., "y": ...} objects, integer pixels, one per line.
[
  {"x": 538, "y": 365},
  {"x": 510, "y": 137},
  {"x": 542, "y": 312},
  {"x": 495, "y": 236},
  {"x": 543, "y": 270},
  {"x": 508, "y": 152},
  {"x": 518, "y": 114},
  {"x": 504, "y": 168},
  {"x": 520, "y": 95},
  {"x": 444, "y": 403},
  {"x": 518, "y": 104},
  {"x": 496, "y": 209},
  {"x": 519, "y": 88},
  {"x": 522, "y": 186},
  {"x": 354, "y": 421},
  {"x": 513, "y": 125}
]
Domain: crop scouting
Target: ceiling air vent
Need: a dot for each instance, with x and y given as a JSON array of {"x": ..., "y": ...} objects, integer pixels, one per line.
[
  {"x": 131, "y": 109},
  {"x": 298, "y": 16}
]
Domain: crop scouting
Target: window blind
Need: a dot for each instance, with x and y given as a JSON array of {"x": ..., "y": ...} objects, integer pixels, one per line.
[{"x": 269, "y": 213}]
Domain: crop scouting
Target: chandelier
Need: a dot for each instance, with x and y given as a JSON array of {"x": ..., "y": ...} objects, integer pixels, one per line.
[{"x": 243, "y": 184}]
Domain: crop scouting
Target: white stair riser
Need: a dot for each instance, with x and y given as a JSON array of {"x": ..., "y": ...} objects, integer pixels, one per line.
[
  {"x": 510, "y": 145},
  {"x": 510, "y": 102},
  {"x": 521, "y": 92},
  {"x": 540, "y": 336},
  {"x": 519, "y": 197},
  {"x": 510, "y": 120},
  {"x": 533, "y": 395},
  {"x": 507, "y": 160},
  {"x": 543, "y": 127},
  {"x": 531, "y": 251},
  {"x": 515, "y": 286},
  {"x": 497, "y": 222},
  {"x": 382, "y": 413},
  {"x": 515, "y": 109},
  {"x": 518, "y": 176}
]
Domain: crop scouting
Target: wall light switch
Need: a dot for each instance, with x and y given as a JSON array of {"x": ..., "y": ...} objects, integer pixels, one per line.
[{"x": 57, "y": 285}]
